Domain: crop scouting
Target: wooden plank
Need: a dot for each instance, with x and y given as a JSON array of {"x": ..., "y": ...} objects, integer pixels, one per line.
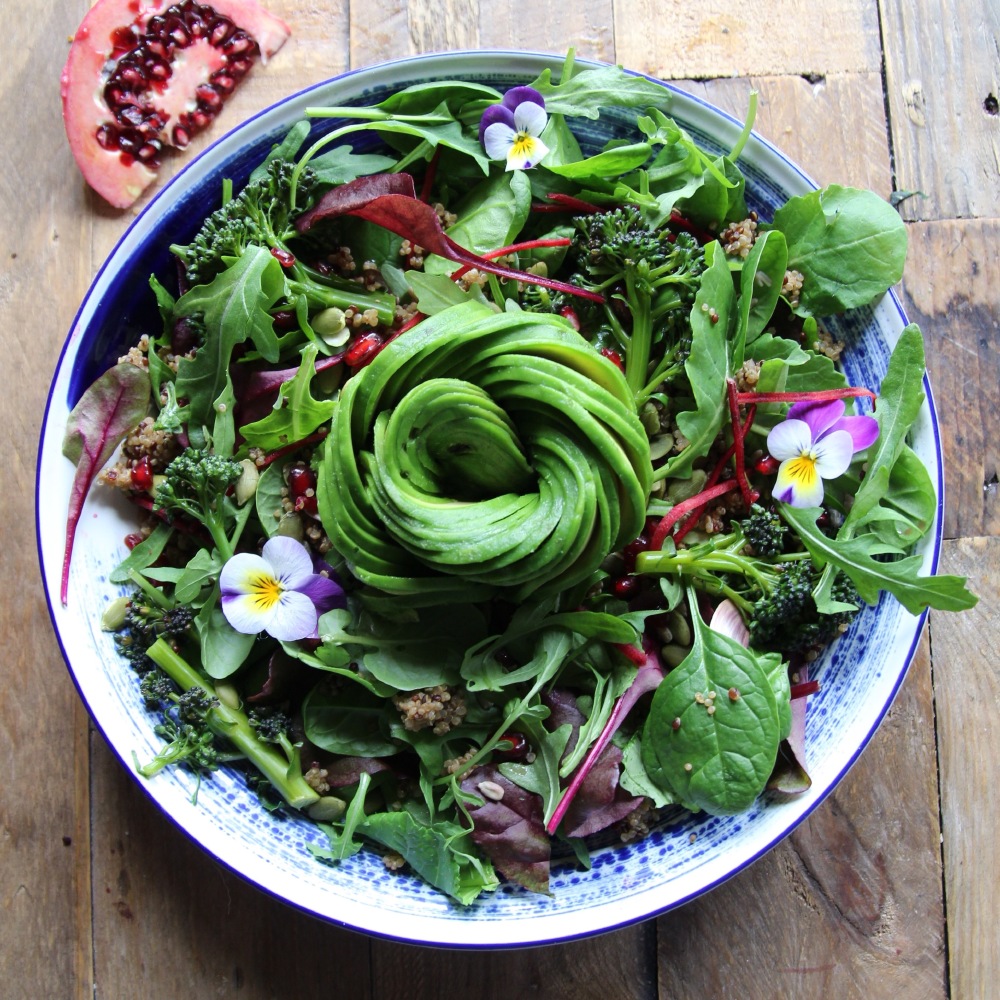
[
  {"x": 850, "y": 905},
  {"x": 396, "y": 29},
  {"x": 170, "y": 922},
  {"x": 950, "y": 289},
  {"x": 968, "y": 719},
  {"x": 809, "y": 120},
  {"x": 617, "y": 966},
  {"x": 942, "y": 89},
  {"x": 44, "y": 856},
  {"x": 673, "y": 39}
]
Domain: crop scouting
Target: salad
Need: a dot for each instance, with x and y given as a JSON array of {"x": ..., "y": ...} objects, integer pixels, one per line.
[{"x": 495, "y": 492}]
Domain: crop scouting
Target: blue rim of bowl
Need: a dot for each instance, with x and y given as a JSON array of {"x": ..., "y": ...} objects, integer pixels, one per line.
[{"x": 485, "y": 55}]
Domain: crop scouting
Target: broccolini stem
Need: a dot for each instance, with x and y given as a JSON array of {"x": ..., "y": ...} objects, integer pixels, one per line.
[
  {"x": 641, "y": 339},
  {"x": 233, "y": 725}
]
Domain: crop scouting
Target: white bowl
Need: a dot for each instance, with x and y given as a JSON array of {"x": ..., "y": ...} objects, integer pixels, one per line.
[{"x": 679, "y": 861}]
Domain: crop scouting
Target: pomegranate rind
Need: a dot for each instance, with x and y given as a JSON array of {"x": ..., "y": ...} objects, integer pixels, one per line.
[{"x": 121, "y": 180}]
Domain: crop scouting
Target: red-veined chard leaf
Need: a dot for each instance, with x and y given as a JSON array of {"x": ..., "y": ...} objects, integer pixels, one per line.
[
  {"x": 98, "y": 423},
  {"x": 390, "y": 200}
]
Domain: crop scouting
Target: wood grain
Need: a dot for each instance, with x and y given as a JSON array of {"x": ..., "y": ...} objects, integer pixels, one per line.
[
  {"x": 103, "y": 898},
  {"x": 673, "y": 39},
  {"x": 815, "y": 123},
  {"x": 941, "y": 70},
  {"x": 170, "y": 922},
  {"x": 850, "y": 905},
  {"x": 396, "y": 29},
  {"x": 44, "y": 804},
  {"x": 950, "y": 289},
  {"x": 968, "y": 715}
]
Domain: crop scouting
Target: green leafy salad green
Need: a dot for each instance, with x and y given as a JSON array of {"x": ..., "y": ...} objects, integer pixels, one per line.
[{"x": 495, "y": 490}]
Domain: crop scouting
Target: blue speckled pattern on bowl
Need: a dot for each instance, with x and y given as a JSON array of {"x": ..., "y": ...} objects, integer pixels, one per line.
[{"x": 860, "y": 676}]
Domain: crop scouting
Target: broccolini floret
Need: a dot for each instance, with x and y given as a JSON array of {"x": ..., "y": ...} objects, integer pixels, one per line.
[
  {"x": 786, "y": 618},
  {"x": 765, "y": 531},
  {"x": 261, "y": 215},
  {"x": 655, "y": 274},
  {"x": 208, "y": 719},
  {"x": 774, "y": 594},
  {"x": 144, "y": 623},
  {"x": 195, "y": 485}
]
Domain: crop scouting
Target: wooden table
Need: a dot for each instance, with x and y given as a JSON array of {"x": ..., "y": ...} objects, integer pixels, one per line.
[{"x": 889, "y": 889}]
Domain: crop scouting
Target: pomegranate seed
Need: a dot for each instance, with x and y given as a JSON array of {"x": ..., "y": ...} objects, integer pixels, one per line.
[
  {"x": 767, "y": 466},
  {"x": 613, "y": 356},
  {"x": 132, "y": 540},
  {"x": 284, "y": 320},
  {"x": 570, "y": 314},
  {"x": 302, "y": 488},
  {"x": 223, "y": 82},
  {"x": 363, "y": 350},
  {"x": 181, "y": 137},
  {"x": 626, "y": 586},
  {"x": 517, "y": 750},
  {"x": 283, "y": 257},
  {"x": 220, "y": 31},
  {"x": 142, "y": 474}
]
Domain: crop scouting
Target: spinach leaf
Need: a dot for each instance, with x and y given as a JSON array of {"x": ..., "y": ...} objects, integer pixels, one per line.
[
  {"x": 341, "y": 165},
  {"x": 143, "y": 555},
  {"x": 223, "y": 649},
  {"x": 347, "y": 721},
  {"x": 721, "y": 754},
  {"x": 609, "y": 163},
  {"x": 492, "y": 214},
  {"x": 437, "y": 292},
  {"x": 848, "y": 244}
]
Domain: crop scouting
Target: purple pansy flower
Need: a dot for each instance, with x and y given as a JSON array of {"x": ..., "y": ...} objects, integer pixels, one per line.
[
  {"x": 510, "y": 130},
  {"x": 277, "y": 592},
  {"x": 814, "y": 442}
]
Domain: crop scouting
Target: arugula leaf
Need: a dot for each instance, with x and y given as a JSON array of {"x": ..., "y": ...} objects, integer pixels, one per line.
[
  {"x": 900, "y": 399},
  {"x": 857, "y": 558},
  {"x": 848, "y": 244},
  {"x": 235, "y": 306},
  {"x": 589, "y": 90},
  {"x": 434, "y": 852},
  {"x": 707, "y": 366},
  {"x": 296, "y": 414}
]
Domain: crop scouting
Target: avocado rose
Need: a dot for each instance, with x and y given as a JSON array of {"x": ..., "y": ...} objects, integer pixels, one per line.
[{"x": 483, "y": 455}]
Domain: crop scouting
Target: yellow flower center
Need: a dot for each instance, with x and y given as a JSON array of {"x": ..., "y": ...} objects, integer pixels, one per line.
[
  {"x": 265, "y": 591},
  {"x": 523, "y": 144},
  {"x": 802, "y": 469}
]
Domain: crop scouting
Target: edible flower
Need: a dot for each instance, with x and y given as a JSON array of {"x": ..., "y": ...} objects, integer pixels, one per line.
[
  {"x": 277, "y": 592},
  {"x": 814, "y": 442},
  {"x": 510, "y": 130}
]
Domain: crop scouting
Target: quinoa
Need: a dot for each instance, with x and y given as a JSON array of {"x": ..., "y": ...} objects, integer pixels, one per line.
[
  {"x": 791, "y": 286},
  {"x": 738, "y": 238},
  {"x": 438, "y": 708}
]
